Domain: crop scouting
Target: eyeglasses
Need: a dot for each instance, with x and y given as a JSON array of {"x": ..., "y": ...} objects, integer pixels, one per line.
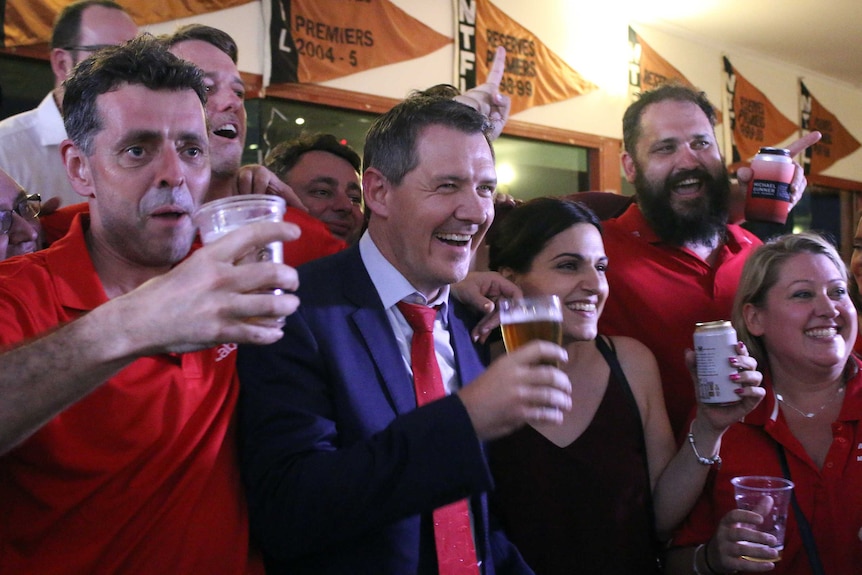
[
  {"x": 89, "y": 48},
  {"x": 28, "y": 207}
]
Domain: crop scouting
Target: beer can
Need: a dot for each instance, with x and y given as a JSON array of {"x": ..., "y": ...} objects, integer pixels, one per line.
[
  {"x": 768, "y": 197},
  {"x": 714, "y": 343}
]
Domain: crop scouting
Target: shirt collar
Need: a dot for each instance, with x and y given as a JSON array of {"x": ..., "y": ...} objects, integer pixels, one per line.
[
  {"x": 75, "y": 279},
  {"x": 851, "y": 410},
  {"x": 52, "y": 131},
  {"x": 391, "y": 286},
  {"x": 634, "y": 222}
]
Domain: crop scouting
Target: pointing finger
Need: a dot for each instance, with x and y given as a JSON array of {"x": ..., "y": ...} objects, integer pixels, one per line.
[
  {"x": 495, "y": 74},
  {"x": 804, "y": 142}
]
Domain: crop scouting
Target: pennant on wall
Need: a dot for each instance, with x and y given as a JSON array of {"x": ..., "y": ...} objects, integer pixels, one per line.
[
  {"x": 754, "y": 121},
  {"x": 318, "y": 40},
  {"x": 648, "y": 70},
  {"x": 534, "y": 75},
  {"x": 836, "y": 142},
  {"x": 27, "y": 22}
]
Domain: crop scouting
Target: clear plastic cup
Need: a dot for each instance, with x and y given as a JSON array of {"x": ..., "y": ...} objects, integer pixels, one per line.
[{"x": 769, "y": 497}]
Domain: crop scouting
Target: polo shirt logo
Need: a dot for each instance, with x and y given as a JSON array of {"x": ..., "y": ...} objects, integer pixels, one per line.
[{"x": 225, "y": 350}]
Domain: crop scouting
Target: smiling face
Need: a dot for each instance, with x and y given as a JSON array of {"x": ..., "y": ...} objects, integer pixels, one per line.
[
  {"x": 147, "y": 174},
  {"x": 572, "y": 266},
  {"x": 330, "y": 189},
  {"x": 807, "y": 317},
  {"x": 430, "y": 224},
  {"x": 225, "y": 109},
  {"x": 680, "y": 178}
]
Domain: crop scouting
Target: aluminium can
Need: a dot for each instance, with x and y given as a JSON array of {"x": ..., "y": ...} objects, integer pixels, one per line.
[{"x": 714, "y": 344}]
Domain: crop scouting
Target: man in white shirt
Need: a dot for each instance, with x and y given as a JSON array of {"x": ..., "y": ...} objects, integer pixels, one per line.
[{"x": 30, "y": 141}]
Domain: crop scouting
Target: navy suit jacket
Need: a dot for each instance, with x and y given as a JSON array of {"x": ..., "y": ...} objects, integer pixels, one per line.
[{"x": 342, "y": 470}]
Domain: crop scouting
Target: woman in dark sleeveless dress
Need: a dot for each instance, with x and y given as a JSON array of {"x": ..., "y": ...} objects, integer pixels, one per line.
[{"x": 597, "y": 493}]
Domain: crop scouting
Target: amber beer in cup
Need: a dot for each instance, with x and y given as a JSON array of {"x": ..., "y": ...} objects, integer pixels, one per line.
[
  {"x": 525, "y": 319},
  {"x": 770, "y": 497}
]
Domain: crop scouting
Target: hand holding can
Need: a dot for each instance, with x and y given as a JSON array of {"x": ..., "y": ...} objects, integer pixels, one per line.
[
  {"x": 768, "y": 198},
  {"x": 714, "y": 343}
]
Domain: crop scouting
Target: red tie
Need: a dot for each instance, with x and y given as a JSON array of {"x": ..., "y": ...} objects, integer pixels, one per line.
[{"x": 456, "y": 553}]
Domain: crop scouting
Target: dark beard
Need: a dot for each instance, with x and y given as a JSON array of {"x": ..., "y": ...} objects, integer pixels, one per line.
[{"x": 704, "y": 221}]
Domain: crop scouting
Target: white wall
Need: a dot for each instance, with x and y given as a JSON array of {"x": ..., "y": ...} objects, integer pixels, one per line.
[{"x": 594, "y": 41}]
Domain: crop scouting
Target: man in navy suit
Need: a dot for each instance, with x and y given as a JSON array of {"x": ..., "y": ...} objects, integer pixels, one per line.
[{"x": 342, "y": 469}]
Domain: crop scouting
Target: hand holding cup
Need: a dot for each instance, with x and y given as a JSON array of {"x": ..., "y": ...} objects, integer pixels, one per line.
[{"x": 220, "y": 217}]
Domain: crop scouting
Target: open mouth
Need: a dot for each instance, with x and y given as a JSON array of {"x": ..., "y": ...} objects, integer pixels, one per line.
[
  {"x": 688, "y": 185},
  {"x": 169, "y": 214},
  {"x": 822, "y": 332},
  {"x": 581, "y": 306},
  {"x": 689, "y": 181},
  {"x": 457, "y": 240},
  {"x": 228, "y": 131}
]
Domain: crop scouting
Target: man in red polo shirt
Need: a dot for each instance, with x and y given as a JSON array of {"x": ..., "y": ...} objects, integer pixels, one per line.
[
  {"x": 675, "y": 259},
  {"x": 215, "y": 53},
  {"x": 118, "y": 383}
]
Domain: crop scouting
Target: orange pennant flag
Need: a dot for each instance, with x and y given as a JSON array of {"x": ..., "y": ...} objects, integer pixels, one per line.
[
  {"x": 534, "y": 75},
  {"x": 754, "y": 121},
  {"x": 318, "y": 40},
  {"x": 648, "y": 70},
  {"x": 651, "y": 70},
  {"x": 836, "y": 142},
  {"x": 27, "y": 22}
]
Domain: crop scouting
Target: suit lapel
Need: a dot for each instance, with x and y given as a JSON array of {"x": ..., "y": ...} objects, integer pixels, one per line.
[
  {"x": 467, "y": 359},
  {"x": 374, "y": 327},
  {"x": 372, "y": 324}
]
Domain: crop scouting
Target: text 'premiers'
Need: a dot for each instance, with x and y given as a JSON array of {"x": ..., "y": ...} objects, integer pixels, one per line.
[{"x": 323, "y": 41}]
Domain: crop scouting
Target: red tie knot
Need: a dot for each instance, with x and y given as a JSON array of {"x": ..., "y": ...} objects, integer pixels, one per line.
[{"x": 420, "y": 317}]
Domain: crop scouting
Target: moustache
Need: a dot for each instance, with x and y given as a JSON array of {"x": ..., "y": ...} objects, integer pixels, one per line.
[{"x": 161, "y": 198}]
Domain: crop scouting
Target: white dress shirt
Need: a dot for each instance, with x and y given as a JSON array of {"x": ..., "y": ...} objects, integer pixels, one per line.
[
  {"x": 30, "y": 152},
  {"x": 394, "y": 287}
]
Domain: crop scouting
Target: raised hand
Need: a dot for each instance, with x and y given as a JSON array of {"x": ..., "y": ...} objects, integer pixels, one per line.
[
  {"x": 487, "y": 99},
  {"x": 258, "y": 179},
  {"x": 207, "y": 300},
  {"x": 800, "y": 182}
]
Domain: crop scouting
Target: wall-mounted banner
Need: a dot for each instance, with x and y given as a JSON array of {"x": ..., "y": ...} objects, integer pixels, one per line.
[
  {"x": 648, "y": 70},
  {"x": 534, "y": 75},
  {"x": 318, "y": 40},
  {"x": 754, "y": 121},
  {"x": 836, "y": 142},
  {"x": 27, "y": 22}
]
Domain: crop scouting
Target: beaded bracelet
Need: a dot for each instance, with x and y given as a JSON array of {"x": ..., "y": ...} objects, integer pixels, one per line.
[
  {"x": 714, "y": 460},
  {"x": 694, "y": 560},
  {"x": 706, "y": 559}
]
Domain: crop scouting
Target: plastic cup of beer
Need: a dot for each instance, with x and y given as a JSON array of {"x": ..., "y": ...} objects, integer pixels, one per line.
[
  {"x": 769, "y": 497},
  {"x": 525, "y": 319},
  {"x": 220, "y": 217}
]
